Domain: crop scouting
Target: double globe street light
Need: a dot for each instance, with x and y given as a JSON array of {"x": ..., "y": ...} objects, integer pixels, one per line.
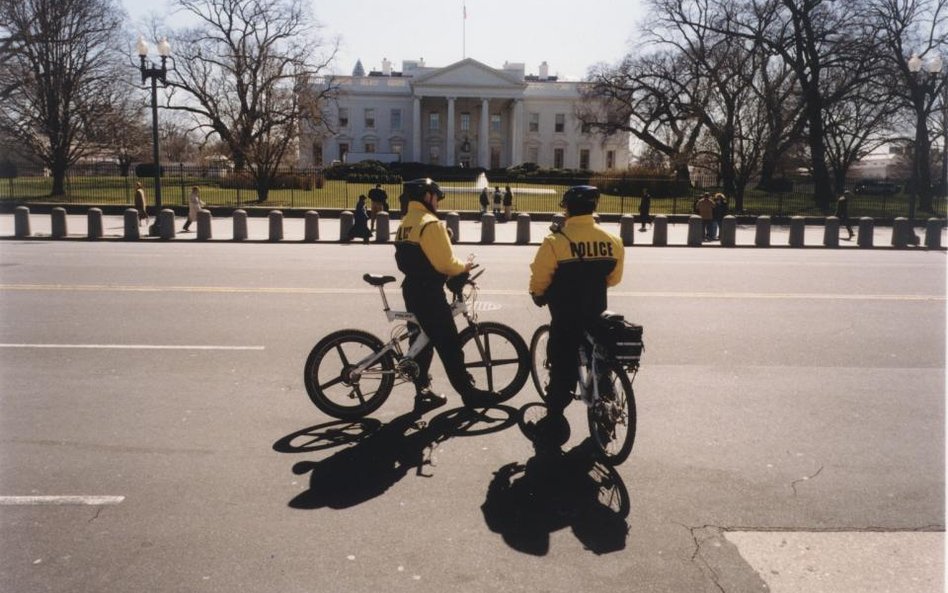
[
  {"x": 933, "y": 70},
  {"x": 155, "y": 74}
]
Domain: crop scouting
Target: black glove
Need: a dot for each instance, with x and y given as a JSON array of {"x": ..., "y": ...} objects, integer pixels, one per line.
[
  {"x": 538, "y": 300},
  {"x": 456, "y": 283}
]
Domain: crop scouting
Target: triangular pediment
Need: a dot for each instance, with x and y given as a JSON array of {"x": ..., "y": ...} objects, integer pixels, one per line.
[{"x": 469, "y": 73}]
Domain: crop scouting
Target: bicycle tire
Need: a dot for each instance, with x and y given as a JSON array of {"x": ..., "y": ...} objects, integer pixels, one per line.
[
  {"x": 326, "y": 375},
  {"x": 612, "y": 419},
  {"x": 503, "y": 347},
  {"x": 540, "y": 360}
]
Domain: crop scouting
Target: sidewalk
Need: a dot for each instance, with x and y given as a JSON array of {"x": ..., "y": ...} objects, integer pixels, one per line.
[{"x": 258, "y": 229}]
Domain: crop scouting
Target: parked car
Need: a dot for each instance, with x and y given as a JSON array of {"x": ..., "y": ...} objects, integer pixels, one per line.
[{"x": 876, "y": 187}]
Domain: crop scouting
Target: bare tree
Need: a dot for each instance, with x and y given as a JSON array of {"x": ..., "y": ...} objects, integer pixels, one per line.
[
  {"x": 907, "y": 28},
  {"x": 56, "y": 77},
  {"x": 249, "y": 74},
  {"x": 644, "y": 96}
]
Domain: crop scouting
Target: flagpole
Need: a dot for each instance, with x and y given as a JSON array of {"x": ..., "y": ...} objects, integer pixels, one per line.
[{"x": 464, "y": 30}]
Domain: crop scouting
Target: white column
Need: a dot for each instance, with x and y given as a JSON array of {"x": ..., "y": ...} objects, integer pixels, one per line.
[
  {"x": 483, "y": 137},
  {"x": 416, "y": 130},
  {"x": 449, "y": 159},
  {"x": 516, "y": 134}
]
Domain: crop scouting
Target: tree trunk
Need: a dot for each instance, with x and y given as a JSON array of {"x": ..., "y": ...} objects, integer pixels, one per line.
[{"x": 59, "y": 181}]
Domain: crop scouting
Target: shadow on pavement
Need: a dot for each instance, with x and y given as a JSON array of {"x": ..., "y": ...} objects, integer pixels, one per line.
[
  {"x": 527, "y": 502},
  {"x": 376, "y": 455}
]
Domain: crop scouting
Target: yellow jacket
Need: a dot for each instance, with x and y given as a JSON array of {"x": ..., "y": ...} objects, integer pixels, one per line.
[
  {"x": 574, "y": 266},
  {"x": 423, "y": 248}
]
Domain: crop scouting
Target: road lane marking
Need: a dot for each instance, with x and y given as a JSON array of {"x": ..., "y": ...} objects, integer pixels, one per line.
[
  {"x": 338, "y": 291},
  {"x": 59, "y": 500},
  {"x": 133, "y": 346}
]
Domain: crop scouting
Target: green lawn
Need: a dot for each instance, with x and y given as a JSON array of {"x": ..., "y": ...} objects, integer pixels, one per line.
[{"x": 339, "y": 194}]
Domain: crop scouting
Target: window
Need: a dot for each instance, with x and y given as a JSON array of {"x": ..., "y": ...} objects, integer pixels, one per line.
[
  {"x": 434, "y": 154},
  {"x": 560, "y": 123},
  {"x": 494, "y": 157},
  {"x": 495, "y": 122},
  {"x": 397, "y": 148},
  {"x": 584, "y": 159},
  {"x": 557, "y": 158},
  {"x": 343, "y": 117},
  {"x": 610, "y": 159},
  {"x": 534, "y": 122},
  {"x": 396, "y": 119},
  {"x": 434, "y": 121},
  {"x": 465, "y": 122},
  {"x": 369, "y": 118},
  {"x": 343, "y": 151},
  {"x": 370, "y": 146},
  {"x": 533, "y": 154}
]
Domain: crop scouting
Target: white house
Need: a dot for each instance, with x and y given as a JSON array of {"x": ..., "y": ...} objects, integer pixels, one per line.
[{"x": 465, "y": 114}]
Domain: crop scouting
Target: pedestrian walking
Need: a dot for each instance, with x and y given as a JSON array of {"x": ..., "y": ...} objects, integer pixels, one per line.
[
  {"x": 140, "y": 203},
  {"x": 360, "y": 222},
  {"x": 645, "y": 206},
  {"x": 194, "y": 206},
  {"x": 842, "y": 213}
]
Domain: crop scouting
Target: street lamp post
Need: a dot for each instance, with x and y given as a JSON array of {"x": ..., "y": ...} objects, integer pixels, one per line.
[
  {"x": 155, "y": 74},
  {"x": 932, "y": 71}
]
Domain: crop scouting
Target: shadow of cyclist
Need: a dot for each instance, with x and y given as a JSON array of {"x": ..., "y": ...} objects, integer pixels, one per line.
[
  {"x": 527, "y": 502},
  {"x": 376, "y": 456}
]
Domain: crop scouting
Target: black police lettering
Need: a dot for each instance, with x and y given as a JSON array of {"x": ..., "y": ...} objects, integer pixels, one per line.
[{"x": 591, "y": 249}]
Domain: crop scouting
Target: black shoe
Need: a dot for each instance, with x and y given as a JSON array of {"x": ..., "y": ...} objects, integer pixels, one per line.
[
  {"x": 428, "y": 399},
  {"x": 549, "y": 433}
]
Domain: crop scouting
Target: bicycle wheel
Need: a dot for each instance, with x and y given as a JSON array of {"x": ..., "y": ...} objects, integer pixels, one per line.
[
  {"x": 330, "y": 383},
  {"x": 496, "y": 357},
  {"x": 540, "y": 360},
  {"x": 612, "y": 418}
]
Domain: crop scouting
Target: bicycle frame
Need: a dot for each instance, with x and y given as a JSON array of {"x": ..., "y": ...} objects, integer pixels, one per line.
[
  {"x": 589, "y": 371},
  {"x": 458, "y": 307}
]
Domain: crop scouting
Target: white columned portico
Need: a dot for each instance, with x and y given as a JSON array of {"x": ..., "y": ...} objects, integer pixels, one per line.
[
  {"x": 416, "y": 130},
  {"x": 449, "y": 158},
  {"x": 483, "y": 136},
  {"x": 516, "y": 133}
]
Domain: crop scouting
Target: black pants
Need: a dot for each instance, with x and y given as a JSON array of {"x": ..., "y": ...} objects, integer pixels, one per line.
[
  {"x": 430, "y": 306},
  {"x": 566, "y": 336}
]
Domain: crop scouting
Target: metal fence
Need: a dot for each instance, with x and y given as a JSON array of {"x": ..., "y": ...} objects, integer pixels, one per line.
[{"x": 104, "y": 184}]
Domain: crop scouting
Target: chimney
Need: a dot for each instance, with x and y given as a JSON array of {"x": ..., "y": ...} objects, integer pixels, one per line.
[
  {"x": 544, "y": 71},
  {"x": 386, "y": 67}
]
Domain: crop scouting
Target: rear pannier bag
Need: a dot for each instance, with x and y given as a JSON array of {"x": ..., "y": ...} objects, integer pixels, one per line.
[{"x": 622, "y": 339}]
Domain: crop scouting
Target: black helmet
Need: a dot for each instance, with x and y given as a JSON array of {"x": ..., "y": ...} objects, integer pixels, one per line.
[
  {"x": 580, "y": 199},
  {"x": 416, "y": 189}
]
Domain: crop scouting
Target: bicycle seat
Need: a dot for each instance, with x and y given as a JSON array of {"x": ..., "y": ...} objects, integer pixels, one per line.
[
  {"x": 376, "y": 280},
  {"x": 611, "y": 316}
]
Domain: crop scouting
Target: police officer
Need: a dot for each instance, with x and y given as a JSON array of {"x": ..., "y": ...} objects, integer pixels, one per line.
[
  {"x": 423, "y": 253},
  {"x": 571, "y": 272}
]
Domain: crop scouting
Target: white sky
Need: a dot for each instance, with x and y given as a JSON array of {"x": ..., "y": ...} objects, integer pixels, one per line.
[{"x": 570, "y": 35}]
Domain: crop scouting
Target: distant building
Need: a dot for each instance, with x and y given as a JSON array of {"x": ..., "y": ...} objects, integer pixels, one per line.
[{"x": 466, "y": 114}]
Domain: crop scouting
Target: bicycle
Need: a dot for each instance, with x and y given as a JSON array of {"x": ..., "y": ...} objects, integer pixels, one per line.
[
  {"x": 608, "y": 362},
  {"x": 350, "y": 373}
]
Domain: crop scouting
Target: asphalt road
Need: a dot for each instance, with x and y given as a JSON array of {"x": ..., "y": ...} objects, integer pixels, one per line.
[{"x": 155, "y": 434}]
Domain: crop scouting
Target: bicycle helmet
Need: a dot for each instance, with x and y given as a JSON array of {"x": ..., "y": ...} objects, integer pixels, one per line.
[
  {"x": 416, "y": 189},
  {"x": 580, "y": 199}
]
